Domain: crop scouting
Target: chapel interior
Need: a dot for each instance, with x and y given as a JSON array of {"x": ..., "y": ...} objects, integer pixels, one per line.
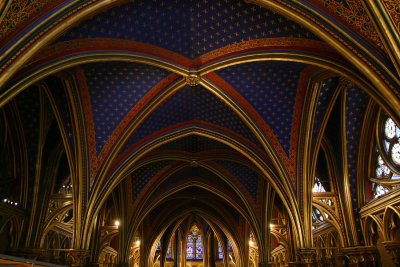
[{"x": 200, "y": 133}]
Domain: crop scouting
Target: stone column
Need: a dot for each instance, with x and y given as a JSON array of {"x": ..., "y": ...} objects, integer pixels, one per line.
[
  {"x": 162, "y": 251},
  {"x": 176, "y": 249},
  {"x": 212, "y": 250},
  {"x": 393, "y": 248},
  {"x": 226, "y": 255}
]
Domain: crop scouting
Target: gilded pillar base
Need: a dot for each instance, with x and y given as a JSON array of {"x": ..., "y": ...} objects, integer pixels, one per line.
[
  {"x": 393, "y": 248},
  {"x": 263, "y": 264}
]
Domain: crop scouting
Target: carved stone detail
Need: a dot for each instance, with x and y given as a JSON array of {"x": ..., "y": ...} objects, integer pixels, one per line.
[
  {"x": 345, "y": 83},
  {"x": 356, "y": 255},
  {"x": 193, "y": 79},
  {"x": 393, "y": 248},
  {"x": 78, "y": 257},
  {"x": 307, "y": 255}
]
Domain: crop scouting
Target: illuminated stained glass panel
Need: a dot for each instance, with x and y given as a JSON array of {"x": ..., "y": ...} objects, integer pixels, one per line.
[
  {"x": 189, "y": 248},
  {"x": 390, "y": 128},
  {"x": 194, "y": 249},
  {"x": 379, "y": 190},
  {"x": 396, "y": 153},
  {"x": 169, "y": 251},
  {"x": 219, "y": 251},
  {"x": 318, "y": 187},
  {"x": 390, "y": 144},
  {"x": 199, "y": 248},
  {"x": 387, "y": 158}
]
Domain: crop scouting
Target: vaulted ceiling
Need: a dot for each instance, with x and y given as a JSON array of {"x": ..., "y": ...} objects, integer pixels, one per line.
[{"x": 188, "y": 106}]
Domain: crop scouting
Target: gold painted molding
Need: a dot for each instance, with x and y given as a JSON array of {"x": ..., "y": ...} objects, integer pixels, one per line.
[
  {"x": 4, "y": 6},
  {"x": 386, "y": 29}
]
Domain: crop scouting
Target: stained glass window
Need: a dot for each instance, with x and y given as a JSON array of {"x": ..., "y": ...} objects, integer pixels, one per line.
[
  {"x": 194, "y": 248},
  {"x": 379, "y": 190},
  {"x": 318, "y": 218},
  {"x": 230, "y": 251},
  {"x": 189, "y": 248},
  {"x": 389, "y": 154},
  {"x": 318, "y": 187},
  {"x": 169, "y": 251},
  {"x": 199, "y": 248},
  {"x": 387, "y": 158},
  {"x": 220, "y": 256}
]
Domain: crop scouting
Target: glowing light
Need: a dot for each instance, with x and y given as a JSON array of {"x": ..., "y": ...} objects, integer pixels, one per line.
[
  {"x": 137, "y": 243},
  {"x": 5, "y": 200},
  {"x": 250, "y": 242},
  {"x": 116, "y": 223},
  {"x": 271, "y": 225}
]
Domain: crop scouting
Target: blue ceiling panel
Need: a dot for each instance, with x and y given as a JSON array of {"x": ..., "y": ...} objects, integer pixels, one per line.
[
  {"x": 141, "y": 176},
  {"x": 356, "y": 102},
  {"x": 327, "y": 89},
  {"x": 114, "y": 88},
  {"x": 246, "y": 176},
  {"x": 271, "y": 88},
  {"x": 191, "y": 103},
  {"x": 188, "y": 27}
]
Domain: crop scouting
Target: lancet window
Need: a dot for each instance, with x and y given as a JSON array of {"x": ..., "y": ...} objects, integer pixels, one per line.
[{"x": 194, "y": 246}]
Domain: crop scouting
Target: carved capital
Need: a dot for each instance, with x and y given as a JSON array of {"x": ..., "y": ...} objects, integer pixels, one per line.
[
  {"x": 345, "y": 83},
  {"x": 78, "y": 257},
  {"x": 393, "y": 248},
  {"x": 306, "y": 255},
  {"x": 357, "y": 255},
  {"x": 193, "y": 79}
]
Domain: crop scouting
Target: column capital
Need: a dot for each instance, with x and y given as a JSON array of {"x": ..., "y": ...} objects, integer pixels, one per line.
[
  {"x": 78, "y": 257},
  {"x": 393, "y": 248},
  {"x": 345, "y": 83},
  {"x": 356, "y": 255},
  {"x": 306, "y": 255},
  {"x": 391, "y": 245}
]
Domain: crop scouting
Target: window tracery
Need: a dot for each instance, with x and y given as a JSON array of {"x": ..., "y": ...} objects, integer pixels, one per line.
[
  {"x": 386, "y": 157},
  {"x": 194, "y": 246},
  {"x": 318, "y": 218}
]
